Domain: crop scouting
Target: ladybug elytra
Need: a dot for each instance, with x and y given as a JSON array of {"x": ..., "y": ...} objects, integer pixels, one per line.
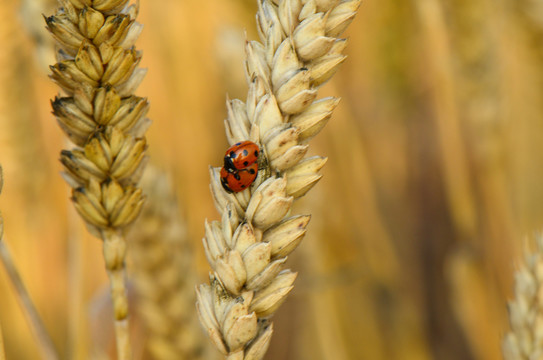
[
  {"x": 241, "y": 155},
  {"x": 240, "y": 166},
  {"x": 238, "y": 180}
]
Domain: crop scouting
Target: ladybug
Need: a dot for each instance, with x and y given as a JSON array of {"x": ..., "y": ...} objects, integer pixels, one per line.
[
  {"x": 240, "y": 155},
  {"x": 238, "y": 180}
]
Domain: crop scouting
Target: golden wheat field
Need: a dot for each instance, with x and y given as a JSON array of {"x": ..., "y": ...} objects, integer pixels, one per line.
[{"x": 433, "y": 183}]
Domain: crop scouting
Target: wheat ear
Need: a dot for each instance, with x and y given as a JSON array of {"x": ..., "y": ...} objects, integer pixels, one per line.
[
  {"x": 45, "y": 344},
  {"x": 525, "y": 340},
  {"x": 299, "y": 50},
  {"x": 162, "y": 267},
  {"x": 97, "y": 69}
]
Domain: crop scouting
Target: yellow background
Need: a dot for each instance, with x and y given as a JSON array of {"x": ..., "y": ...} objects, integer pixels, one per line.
[{"x": 433, "y": 181}]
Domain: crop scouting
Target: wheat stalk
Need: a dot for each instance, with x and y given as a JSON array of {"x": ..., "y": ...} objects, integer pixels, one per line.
[
  {"x": 162, "y": 263},
  {"x": 45, "y": 344},
  {"x": 2, "y": 353},
  {"x": 300, "y": 50},
  {"x": 525, "y": 340},
  {"x": 97, "y": 69}
]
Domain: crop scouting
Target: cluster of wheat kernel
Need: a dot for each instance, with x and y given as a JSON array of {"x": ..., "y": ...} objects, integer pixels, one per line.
[
  {"x": 299, "y": 50},
  {"x": 163, "y": 272},
  {"x": 525, "y": 340},
  {"x": 98, "y": 70}
]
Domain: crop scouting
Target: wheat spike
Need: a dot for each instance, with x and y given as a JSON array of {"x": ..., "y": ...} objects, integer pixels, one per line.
[
  {"x": 525, "y": 340},
  {"x": 162, "y": 266},
  {"x": 299, "y": 50},
  {"x": 98, "y": 70}
]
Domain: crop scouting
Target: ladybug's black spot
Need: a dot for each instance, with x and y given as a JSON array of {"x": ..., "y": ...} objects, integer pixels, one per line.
[
  {"x": 243, "y": 186},
  {"x": 232, "y": 154},
  {"x": 256, "y": 153},
  {"x": 245, "y": 163},
  {"x": 251, "y": 171},
  {"x": 237, "y": 144},
  {"x": 236, "y": 176},
  {"x": 245, "y": 152}
]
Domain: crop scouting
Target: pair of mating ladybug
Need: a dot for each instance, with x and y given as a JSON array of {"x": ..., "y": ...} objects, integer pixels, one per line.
[{"x": 240, "y": 166}]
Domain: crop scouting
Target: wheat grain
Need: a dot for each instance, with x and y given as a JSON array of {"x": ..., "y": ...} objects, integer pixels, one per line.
[
  {"x": 162, "y": 263},
  {"x": 525, "y": 340},
  {"x": 97, "y": 69},
  {"x": 300, "y": 50}
]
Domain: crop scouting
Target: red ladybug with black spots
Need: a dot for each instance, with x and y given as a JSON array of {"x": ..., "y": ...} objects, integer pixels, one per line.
[
  {"x": 240, "y": 166},
  {"x": 241, "y": 155}
]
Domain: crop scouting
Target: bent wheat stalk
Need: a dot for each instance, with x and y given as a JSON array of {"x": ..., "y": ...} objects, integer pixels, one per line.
[
  {"x": 45, "y": 344},
  {"x": 97, "y": 69},
  {"x": 525, "y": 340},
  {"x": 300, "y": 50}
]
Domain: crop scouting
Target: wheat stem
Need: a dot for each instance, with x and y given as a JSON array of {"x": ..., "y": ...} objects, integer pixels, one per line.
[
  {"x": 124, "y": 350},
  {"x": 300, "y": 50},
  {"x": 2, "y": 352},
  {"x": 453, "y": 149},
  {"x": 114, "y": 255},
  {"x": 37, "y": 327}
]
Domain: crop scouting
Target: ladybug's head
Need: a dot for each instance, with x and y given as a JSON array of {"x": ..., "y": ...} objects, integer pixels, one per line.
[{"x": 229, "y": 164}]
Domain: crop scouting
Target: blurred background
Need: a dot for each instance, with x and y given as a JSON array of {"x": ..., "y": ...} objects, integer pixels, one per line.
[{"x": 432, "y": 184}]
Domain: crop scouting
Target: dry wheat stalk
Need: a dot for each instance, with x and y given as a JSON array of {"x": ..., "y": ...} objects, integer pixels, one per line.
[
  {"x": 162, "y": 266},
  {"x": 525, "y": 340},
  {"x": 45, "y": 344},
  {"x": 2, "y": 353},
  {"x": 300, "y": 50},
  {"x": 97, "y": 69}
]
